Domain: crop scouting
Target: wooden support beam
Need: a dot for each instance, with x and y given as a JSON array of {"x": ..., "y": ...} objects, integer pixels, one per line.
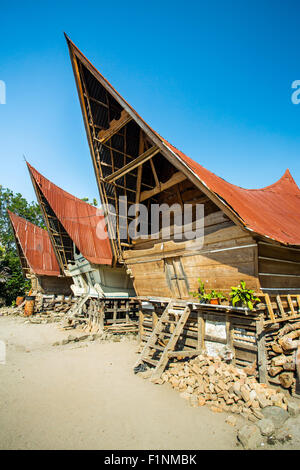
[
  {"x": 175, "y": 179},
  {"x": 141, "y": 325},
  {"x": 133, "y": 164},
  {"x": 200, "y": 332},
  {"x": 154, "y": 173},
  {"x": 114, "y": 127},
  {"x": 261, "y": 351},
  {"x": 138, "y": 184}
]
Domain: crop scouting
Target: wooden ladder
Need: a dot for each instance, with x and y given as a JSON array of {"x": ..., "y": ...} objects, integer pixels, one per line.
[{"x": 164, "y": 337}]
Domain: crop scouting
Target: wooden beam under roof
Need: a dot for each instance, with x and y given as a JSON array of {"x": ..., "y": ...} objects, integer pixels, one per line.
[
  {"x": 115, "y": 126},
  {"x": 133, "y": 164},
  {"x": 177, "y": 178}
]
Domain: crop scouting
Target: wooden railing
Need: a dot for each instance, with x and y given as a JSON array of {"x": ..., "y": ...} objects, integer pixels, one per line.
[{"x": 279, "y": 308}]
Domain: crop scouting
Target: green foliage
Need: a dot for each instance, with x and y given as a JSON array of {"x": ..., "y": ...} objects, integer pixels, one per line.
[
  {"x": 213, "y": 294},
  {"x": 12, "y": 282},
  {"x": 93, "y": 203},
  {"x": 242, "y": 295},
  {"x": 207, "y": 296}
]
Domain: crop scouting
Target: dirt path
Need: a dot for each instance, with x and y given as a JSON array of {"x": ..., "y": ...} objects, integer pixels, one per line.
[{"x": 85, "y": 396}]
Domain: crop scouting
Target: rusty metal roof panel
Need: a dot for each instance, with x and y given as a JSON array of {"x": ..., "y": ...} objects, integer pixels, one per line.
[
  {"x": 84, "y": 223},
  {"x": 273, "y": 211},
  {"x": 36, "y": 246}
]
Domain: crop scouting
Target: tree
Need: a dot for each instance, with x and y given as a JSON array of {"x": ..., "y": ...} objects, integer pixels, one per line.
[
  {"x": 94, "y": 203},
  {"x": 12, "y": 282}
]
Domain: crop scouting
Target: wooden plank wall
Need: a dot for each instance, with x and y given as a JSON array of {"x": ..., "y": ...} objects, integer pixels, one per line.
[
  {"x": 227, "y": 256},
  {"x": 279, "y": 268}
]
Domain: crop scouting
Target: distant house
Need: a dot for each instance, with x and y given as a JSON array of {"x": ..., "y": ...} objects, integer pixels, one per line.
[
  {"x": 73, "y": 226},
  {"x": 37, "y": 257}
]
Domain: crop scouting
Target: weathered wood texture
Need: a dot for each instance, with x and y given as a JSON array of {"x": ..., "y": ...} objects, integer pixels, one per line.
[
  {"x": 279, "y": 268},
  {"x": 170, "y": 269}
]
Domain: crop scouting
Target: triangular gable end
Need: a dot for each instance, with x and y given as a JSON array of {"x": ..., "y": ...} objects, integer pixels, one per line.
[{"x": 109, "y": 119}]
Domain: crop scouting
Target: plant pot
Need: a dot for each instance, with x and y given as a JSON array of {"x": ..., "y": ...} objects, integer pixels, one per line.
[
  {"x": 214, "y": 301},
  {"x": 29, "y": 306},
  {"x": 19, "y": 301}
]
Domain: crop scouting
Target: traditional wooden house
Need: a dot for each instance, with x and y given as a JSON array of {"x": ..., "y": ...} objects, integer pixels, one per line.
[
  {"x": 252, "y": 235},
  {"x": 37, "y": 258},
  {"x": 77, "y": 233}
]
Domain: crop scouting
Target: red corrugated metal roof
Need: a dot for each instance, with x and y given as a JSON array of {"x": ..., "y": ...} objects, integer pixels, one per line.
[
  {"x": 82, "y": 222},
  {"x": 272, "y": 212},
  {"x": 36, "y": 246}
]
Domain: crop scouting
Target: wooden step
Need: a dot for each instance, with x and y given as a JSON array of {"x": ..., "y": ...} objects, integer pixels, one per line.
[
  {"x": 175, "y": 312},
  {"x": 156, "y": 346},
  {"x": 153, "y": 362}
]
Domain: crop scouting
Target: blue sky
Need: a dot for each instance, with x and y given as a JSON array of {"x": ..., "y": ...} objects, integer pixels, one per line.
[{"x": 214, "y": 78}]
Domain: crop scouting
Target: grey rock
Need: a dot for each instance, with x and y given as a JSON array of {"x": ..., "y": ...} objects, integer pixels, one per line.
[
  {"x": 271, "y": 440},
  {"x": 249, "y": 436},
  {"x": 266, "y": 427},
  {"x": 283, "y": 435},
  {"x": 275, "y": 414},
  {"x": 293, "y": 408}
]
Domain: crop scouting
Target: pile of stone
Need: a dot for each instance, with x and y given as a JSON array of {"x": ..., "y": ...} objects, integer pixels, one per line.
[
  {"x": 223, "y": 387},
  {"x": 5, "y": 311},
  {"x": 277, "y": 427}
]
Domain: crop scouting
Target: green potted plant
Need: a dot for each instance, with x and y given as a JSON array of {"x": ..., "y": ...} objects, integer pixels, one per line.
[
  {"x": 213, "y": 297},
  {"x": 241, "y": 296},
  {"x": 200, "y": 293}
]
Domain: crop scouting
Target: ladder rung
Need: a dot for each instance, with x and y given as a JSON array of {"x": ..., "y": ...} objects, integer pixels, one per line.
[
  {"x": 150, "y": 361},
  {"x": 166, "y": 334},
  {"x": 159, "y": 348}
]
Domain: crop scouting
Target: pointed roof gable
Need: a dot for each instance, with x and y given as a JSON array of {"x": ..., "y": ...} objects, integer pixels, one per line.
[
  {"x": 35, "y": 245},
  {"x": 272, "y": 212},
  {"x": 82, "y": 222}
]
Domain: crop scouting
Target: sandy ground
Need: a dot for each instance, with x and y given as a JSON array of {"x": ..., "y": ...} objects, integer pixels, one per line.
[{"x": 85, "y": 396}]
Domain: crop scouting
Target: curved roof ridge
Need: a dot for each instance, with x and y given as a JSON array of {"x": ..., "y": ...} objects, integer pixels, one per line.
[{"x": 287, "y": 174}]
